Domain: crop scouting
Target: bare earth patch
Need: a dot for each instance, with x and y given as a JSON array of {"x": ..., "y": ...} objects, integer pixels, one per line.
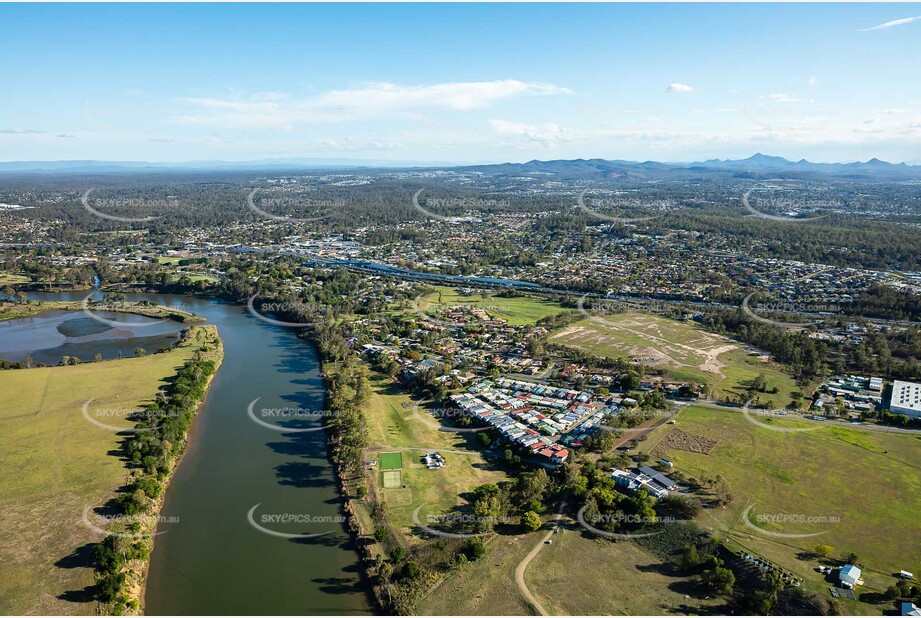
[{"x": 683, "y": 441}]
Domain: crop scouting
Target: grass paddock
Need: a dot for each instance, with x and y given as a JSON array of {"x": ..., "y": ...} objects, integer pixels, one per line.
[{"x": 54, "y": 463}]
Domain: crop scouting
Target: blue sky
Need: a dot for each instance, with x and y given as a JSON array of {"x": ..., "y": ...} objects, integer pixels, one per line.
[{"x": 460, "y": 83}]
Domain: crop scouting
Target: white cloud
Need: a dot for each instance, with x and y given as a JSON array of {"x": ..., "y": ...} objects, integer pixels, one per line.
[
  {"x": 546, "y": 134},
  {"x": 350, "y": 144},
  {"x": 813, "y": 81},
  {"x": 21, "y": 131},
  {"x": 462, "y": 96},
  {"x": 892, "y": 24},
  {"x": 784, "y": 98},
  {"x": 676, "y": 87},
  {"x": 371, "y": 100}
]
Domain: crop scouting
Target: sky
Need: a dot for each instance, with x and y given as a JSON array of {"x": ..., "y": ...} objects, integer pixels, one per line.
[{"x": 453, "y": 83}]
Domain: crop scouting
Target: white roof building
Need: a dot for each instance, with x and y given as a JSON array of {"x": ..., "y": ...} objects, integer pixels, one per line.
[
  {"x": 906, "y": 399},
  {"x": 850, "y": 575}
]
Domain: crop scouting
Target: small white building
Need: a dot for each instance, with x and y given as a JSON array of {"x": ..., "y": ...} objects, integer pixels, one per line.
[{"x": 850, "y": 575}]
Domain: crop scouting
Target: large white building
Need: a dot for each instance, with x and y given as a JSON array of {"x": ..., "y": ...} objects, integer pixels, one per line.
[{"x": 906, "y": 399}]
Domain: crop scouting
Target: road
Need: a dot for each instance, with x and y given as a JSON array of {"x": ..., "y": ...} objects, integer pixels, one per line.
[{"x": 520, "y": 569}]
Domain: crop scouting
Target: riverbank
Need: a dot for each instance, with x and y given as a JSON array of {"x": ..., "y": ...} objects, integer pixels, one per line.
[
  {"x": 12, "y": 311},
  {"x": 58, "y": 477},
  {"x": 123, "y": 583}
]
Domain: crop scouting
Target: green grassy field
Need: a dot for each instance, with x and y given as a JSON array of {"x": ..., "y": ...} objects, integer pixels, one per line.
[
  {"x": 485, "y": 587},
  {"x": 860, "y": 488},
  {"x": 393, "y": 425},
  {"x": 11, "y": 311},
  {"x": 578, "y": 575},
  {"x": 11, "y": 279},
  {"x": 197, "y": 277},
  {"x": 688, "y": 352},
  {"x": 517, "y": 311},
  {"x": 54, "y": 464},
  {"x": 391, "y": 461}
]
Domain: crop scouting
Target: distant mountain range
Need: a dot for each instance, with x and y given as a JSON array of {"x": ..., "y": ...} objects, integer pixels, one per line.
[
  {"x": 757, "y": 166},
  {"x": 92, "y": 166}
]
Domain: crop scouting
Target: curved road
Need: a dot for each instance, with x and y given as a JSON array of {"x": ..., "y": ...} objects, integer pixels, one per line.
[{"x": 520, "y": 569}]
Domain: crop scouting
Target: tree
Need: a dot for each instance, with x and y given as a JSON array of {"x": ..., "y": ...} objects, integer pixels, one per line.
[
  {"x": 719, "y": 579},
  {"x": 532, "y": 486},
  {"x": 487, "y": 509},
  {"x": 411, "y": 570},
  {"x": 823, "y": 550},
  {"x": 630, "y": 380},
  {"x": 531, "y": 521},
  {"x": 721, "y": 489},
  {"x": 690, "y": 557},
  {"x": 474, "y": 549},
  {"x": 683, "y": 506},
  {"x": 140, "y": 351}
]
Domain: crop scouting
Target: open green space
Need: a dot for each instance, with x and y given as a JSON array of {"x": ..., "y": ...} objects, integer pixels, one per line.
[
  {"x": 684, "y": 349},
  {"x": 12, "y": 279},
  {"x": 486, "y": 587},
  {"x": 855, "y": 489},
  {"x": 391, "y": 461},
  {"x": 517, "y": 311},
  {"x": 198, "y": 277},
  {"x": 12, "y": 310},
  {"x": 580, "y": 575},
  {"x": 396, "y": 424},
  {"x": 54, "y": 464}
]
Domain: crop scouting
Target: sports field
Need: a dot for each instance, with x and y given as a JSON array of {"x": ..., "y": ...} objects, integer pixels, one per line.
[
  {"x": 391, "y": 461},
  {"x": 854, "y": 489},
  {"x": 517, "y": 311},
  {"x": 54, "y": 463},
  {"x": 396, "y": 426},
  {"x": 392, "y": 479},
  {"x": 688, "y": 352}
]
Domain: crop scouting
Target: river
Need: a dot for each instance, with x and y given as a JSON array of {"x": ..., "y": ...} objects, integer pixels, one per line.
[{"x": 209, "y": 556}]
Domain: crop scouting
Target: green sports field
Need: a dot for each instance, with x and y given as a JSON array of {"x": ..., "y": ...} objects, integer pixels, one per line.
[
  {"x": 517, "y": 311},
  {"x": 396, "y": 426},
  {"x": 391, "y": 461}
]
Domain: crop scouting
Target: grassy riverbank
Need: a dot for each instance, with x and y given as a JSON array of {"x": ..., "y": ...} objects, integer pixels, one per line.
[
  {"x": 11, "y": 311},
  {"x": 55, "y": 463}
]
